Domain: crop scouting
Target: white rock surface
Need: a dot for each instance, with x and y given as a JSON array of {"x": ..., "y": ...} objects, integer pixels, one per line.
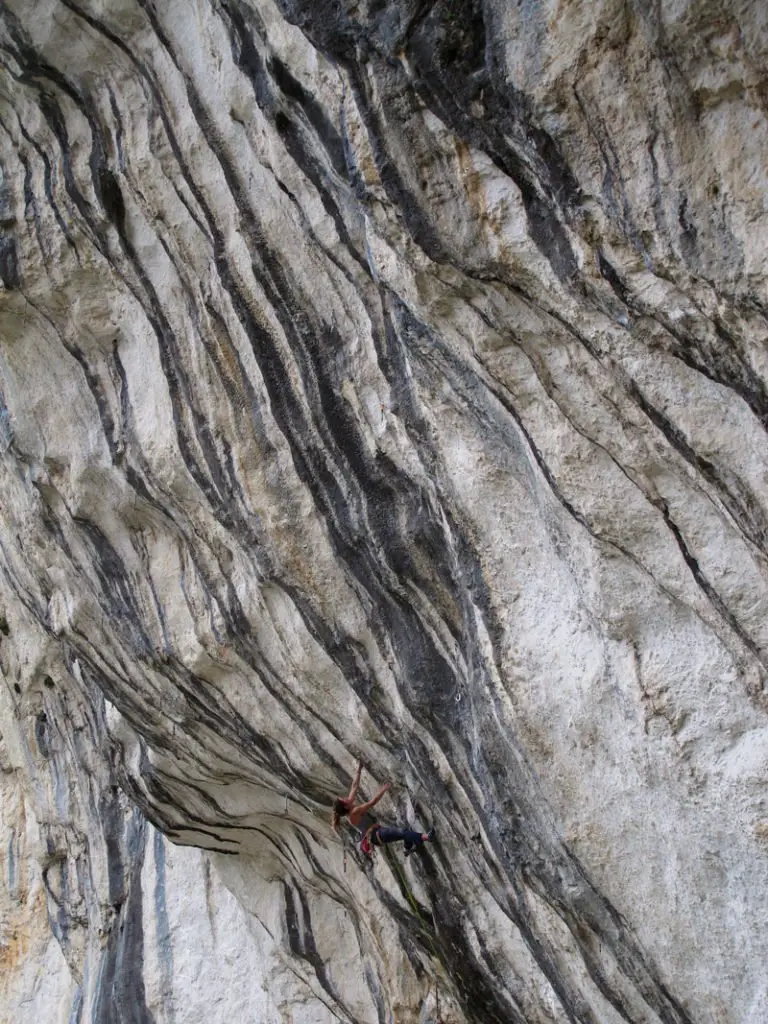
[{"x": 383, "y": 381}]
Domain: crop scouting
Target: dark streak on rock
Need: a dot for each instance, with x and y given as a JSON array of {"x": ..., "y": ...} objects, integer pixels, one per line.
[
  {"x": 301, "y": 941},
  {"x": 112, "y": 197},
  {"x": 41, "y": 734},
  {"x": 48, "y": 189},
  {"x": 120, "y": 993},
  {"x": 10, "y": 273}
]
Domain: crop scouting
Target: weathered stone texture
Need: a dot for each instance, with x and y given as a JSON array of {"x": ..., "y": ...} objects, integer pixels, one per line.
[{"x": 383, "y": 381}]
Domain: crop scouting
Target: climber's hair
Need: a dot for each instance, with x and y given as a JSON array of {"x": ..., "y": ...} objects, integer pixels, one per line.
[{"x": 340, "y": 808}]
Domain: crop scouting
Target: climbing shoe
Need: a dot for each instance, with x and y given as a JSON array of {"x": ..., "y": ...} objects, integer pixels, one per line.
[{"x": 431, "y": 835}]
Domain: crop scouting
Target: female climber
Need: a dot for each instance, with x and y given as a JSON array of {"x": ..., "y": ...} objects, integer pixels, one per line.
[{"x": 371, "y": 832}]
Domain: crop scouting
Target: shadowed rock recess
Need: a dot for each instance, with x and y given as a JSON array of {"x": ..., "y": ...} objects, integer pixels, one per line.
[{"x": 383, "y": 381}]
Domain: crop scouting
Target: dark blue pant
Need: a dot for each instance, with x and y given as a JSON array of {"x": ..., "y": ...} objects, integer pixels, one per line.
[{"x": 385, "y": 834}]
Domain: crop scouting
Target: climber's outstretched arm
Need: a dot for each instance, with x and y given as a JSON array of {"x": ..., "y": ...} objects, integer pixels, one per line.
[{"x": 362, "y": 808}]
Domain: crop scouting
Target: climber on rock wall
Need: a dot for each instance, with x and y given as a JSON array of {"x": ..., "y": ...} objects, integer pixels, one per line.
[{"x": 371, "y": 832}]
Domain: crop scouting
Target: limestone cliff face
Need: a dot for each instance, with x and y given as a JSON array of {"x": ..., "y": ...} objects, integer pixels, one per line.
[{"x": 383, "y": 381}]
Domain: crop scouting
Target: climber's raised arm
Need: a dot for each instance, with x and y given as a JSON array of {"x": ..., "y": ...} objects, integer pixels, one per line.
[
  {"x": 342, "y": 805},
  {"x": 355, "y": 782}
]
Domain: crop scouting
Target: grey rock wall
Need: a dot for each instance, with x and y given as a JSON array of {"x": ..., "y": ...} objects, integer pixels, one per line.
[{"x": 383, "y": 381}]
